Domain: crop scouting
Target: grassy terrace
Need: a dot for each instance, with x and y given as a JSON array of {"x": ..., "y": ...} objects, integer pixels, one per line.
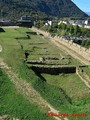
[
  {"x": 14, "y": 104},
  {"x": 66, "y": 92},
  {"x": 37, "y": 46},
  {"x": 71, "y": 83}
]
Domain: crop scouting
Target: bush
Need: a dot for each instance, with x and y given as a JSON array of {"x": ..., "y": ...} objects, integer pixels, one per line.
[{"x": 2, "y": 30}]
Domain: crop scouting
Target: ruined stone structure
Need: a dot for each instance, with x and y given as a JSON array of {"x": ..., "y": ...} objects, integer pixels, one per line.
[
  {"x": 84, "y": 52},
  {"x": 54, "y": 70}
]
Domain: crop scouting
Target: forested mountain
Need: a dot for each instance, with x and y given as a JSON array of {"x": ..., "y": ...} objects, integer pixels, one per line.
[{"x": 59, "y": 8}]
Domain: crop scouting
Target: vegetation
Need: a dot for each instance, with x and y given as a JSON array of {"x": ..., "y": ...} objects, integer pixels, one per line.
[
  {"x": 40, "y": 8},
  {"x": 1, "y": 30},
  {"x": 86, "y": 70},
  {"x": 16, "y": 106},
  {"x": 69, "y": 30},
  {"x": 62, "y": 91},
  {"x": 86, "y": 43},
  {"x": 69, "y": 85}
]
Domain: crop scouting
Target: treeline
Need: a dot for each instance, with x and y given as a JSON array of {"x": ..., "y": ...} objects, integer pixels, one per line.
[
  {"x": 69, "y": 30},
  {"x": 86, "y": 43},
  {"x": 83, "y": 43},
  {"x": 64, "y": 29}
]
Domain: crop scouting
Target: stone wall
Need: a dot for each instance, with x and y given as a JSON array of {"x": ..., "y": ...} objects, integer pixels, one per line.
[
  {"x": 85, "y": 53},
  {"x": 75, "y": 47},
  {"x": 54, "y": 70}
]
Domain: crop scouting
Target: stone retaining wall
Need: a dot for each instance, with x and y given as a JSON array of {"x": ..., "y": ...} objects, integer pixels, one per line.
[
  {"x": 54, "y": 70},
  {"x": 75, "y": 47}
]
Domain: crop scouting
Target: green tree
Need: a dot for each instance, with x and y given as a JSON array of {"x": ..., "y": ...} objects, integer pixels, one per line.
[
  {"x": 77, "y": 31},
  {"x": 86, "y": 43},
  {"x": 41, "y": 23},
  {"x": 71, "y": 29}
]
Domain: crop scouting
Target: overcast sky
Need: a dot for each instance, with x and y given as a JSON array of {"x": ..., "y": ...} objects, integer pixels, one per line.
[{"x": 83, "y": 4}]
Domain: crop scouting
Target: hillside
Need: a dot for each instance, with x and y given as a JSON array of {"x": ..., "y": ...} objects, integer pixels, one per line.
[
  {"x": 59, "y": 8},
  {"x": 29, "y": 95}
]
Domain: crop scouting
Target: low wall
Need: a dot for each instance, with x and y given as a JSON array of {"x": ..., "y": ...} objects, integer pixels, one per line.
[
  {"x": 54, "y": 70},
  {"x": 75, "y": 47}
]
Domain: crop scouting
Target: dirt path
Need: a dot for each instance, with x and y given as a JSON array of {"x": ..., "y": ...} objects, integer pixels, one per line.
[
  {"x": 86, "y": 82},
  {"x": 28, "y": 91},
  {"x": 55, "y": 41},
  {"x": 71, "y": 52},
  {"x": 6, "y": 117}
]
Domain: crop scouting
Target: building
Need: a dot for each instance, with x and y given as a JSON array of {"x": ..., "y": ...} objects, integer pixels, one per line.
[
  {"x": 64, "y": 22},
  {"x": 25, "y": 21},
  {"x": 5, "y": 22},
  {"x": 80, "y": 23}
]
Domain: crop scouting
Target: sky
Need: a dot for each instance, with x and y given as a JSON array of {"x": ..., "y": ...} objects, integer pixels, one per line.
[{"x": 84, "y": 5}]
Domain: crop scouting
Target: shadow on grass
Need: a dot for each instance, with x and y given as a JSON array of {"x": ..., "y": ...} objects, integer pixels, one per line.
[
  {"x": 39, "y": 75},
  {"x": 60, "y": 89}
]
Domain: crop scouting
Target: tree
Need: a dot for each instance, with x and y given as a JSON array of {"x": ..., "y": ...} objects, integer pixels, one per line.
[
  {"x": 41, "y": 23},
  {"x": 62, "y": 26},
  {"x": 86, "y": 43},
  {"x": 71, "y": 29},
  {"x": 77, "y": 31}
]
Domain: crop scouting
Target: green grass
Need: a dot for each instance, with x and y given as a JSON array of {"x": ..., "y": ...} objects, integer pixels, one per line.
[
  {"x": 15, "y": 105},
  {"x": 70, "y": 95},
  {"x": 47, "y": 49},
  {"x": 65, "y": 96},
  {"x": 67, "y": 93},
  {"x": 86, "y": 70},
  {"x": 71, "y": 83},
  {"x": 14, "y": 55}
]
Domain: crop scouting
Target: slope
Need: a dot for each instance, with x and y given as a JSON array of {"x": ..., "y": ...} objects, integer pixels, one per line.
[{"x": 59, "y": 8}]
